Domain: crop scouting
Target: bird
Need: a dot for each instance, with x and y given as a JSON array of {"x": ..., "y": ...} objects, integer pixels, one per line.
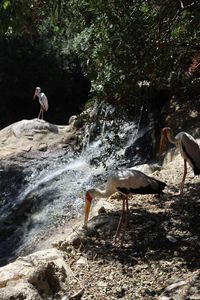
[
  {"x": 189, "y": 150},
  {"x": 44, "y": 105},
  {"x": 127, "y": 182}
]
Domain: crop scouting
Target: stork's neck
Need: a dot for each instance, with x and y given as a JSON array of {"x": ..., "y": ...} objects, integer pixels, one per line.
[
  {"x": 171, "y": 138},
  {"x": 97, "y": 193}
]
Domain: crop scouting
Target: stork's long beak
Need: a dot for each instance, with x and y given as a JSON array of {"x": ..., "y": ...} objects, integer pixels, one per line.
[
  {"x": 34, "y": 95},
  {"x": 162, "y": 142},
  {"x": 88, "y": 200}
]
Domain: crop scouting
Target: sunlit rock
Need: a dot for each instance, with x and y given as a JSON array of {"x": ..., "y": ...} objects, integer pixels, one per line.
[
  {"x": 44, "y": 271},
  {"x": 21, "y": 290},
  {"x": 30, "y": 135}
]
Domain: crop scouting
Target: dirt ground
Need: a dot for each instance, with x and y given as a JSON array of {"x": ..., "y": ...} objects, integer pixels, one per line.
[{"x": 160, "y": 258}]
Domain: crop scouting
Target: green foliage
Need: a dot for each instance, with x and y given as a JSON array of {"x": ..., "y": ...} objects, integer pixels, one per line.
[
  {"x": 118, "y": 43},
  {"x": 5, "y": 4},
  {"x": 121, "y": 43}
]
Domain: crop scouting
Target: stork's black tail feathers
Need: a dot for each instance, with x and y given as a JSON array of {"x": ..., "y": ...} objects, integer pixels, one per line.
[
  {"x": 161, "y": 186},
  {"x": 196, "y": 170}
]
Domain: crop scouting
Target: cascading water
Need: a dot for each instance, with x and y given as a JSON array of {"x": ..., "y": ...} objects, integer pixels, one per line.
[{"x": 55, "y": 194}]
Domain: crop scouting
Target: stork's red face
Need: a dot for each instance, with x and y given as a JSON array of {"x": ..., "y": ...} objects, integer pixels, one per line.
[
  {"x": 164, "y": 131},
  {"x": 88, "y": 200},
  {"x": 163, "y": 139}
]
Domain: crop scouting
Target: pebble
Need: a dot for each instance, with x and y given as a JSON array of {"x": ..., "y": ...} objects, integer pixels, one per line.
[{"x": 102, "y": 284}]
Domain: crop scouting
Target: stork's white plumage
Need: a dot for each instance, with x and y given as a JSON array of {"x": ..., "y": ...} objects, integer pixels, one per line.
[
  {"x": 189, "y": 150},
  {"x": 126, "y": 182},
  {"x": 44, "y": 105}
]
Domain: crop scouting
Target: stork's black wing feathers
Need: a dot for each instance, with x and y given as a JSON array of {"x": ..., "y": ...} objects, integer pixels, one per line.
[
  {"x": 195, "y": 168},
  {"x": 141, "y": 191},
  {"x": 148, "y": 189}
]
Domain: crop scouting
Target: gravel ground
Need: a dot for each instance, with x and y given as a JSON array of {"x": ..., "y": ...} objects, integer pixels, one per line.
[{"x": 160, "y": 258}]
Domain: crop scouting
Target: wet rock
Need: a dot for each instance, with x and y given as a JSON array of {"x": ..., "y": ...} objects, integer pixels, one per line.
[
  {"x": 138, "y": 149},
  {"x": 27, "y": 149},
  {"x": 12, "y": 174}
]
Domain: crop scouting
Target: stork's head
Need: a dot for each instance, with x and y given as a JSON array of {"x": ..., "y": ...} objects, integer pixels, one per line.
[
  {"x": 88, "y": 200},
  {"x": 164, "y": 134},
  {"x": 37, "y": 91}
]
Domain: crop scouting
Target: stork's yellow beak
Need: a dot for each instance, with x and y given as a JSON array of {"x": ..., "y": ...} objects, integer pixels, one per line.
[
  {"x": 162, "y": 142},
  {"x": 88, "y": 200}
]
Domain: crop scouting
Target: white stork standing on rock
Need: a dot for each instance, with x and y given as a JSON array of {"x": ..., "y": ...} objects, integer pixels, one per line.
[
  {"x": 127, "y": 182},
  {"x": 42, "y": 100},
  {"x": 189, "y": 150}
]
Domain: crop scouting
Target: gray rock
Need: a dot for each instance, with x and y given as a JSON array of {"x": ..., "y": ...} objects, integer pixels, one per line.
[{"x": 20, "y": 291}]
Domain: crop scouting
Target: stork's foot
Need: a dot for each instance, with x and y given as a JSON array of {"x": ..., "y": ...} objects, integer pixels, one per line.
[
  {"x": 120, "y": 233},
  {"x": 180, "y": 193},
  {"x": 118, "y": 241},
  {"x": 119, "y": 236},
  {"x": 123, "y": 222}
]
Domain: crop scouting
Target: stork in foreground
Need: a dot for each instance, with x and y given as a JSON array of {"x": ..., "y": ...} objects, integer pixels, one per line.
[
  {"x": 127, "y": 182},
  {"x": 189, "y": 150},
  {"x": 42, "y": 100}
]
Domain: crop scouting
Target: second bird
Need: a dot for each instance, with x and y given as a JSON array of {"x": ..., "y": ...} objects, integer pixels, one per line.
[
  {"x": 44, "y": 105},
  {"x": 189, "y": 150}
]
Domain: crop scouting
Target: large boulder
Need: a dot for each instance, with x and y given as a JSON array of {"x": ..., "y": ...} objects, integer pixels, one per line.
[
  {"x": 36, "y": 276},
  {"x": 35, "y": 134}
]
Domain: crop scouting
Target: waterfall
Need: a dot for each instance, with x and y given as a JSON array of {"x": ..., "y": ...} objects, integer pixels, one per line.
[{"x": 54, "y": 194}]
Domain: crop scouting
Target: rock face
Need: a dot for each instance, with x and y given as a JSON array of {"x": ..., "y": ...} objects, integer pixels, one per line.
[
  {"x": 21, "y": 291},
  {"x": 33, "y": 135},
  {"x": 27, "y": 148},
  {"x": 43, "y": 274},
  {"x": 24, "y": 137},
  {"x": 34, "y": 277}
]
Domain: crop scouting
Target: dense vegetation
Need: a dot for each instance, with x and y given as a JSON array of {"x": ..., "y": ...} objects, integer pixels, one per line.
[{"x": 115, "y": 44}]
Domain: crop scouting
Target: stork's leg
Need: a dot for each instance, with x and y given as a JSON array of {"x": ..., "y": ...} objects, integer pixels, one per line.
[
  {"x": 183, "y": 180},
  {"x": 120, "y": 221},
  {"x": 180, "y": 193},
  {"x": 123, "y": 220},
  {"x": 40, "y": 112}
]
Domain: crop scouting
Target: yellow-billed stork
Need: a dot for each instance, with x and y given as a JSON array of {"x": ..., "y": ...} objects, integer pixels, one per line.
[
  {"x": 189, "y": 150},
  {"x": 44, "y": 105},
  {"x": 127, "y": 182}
]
